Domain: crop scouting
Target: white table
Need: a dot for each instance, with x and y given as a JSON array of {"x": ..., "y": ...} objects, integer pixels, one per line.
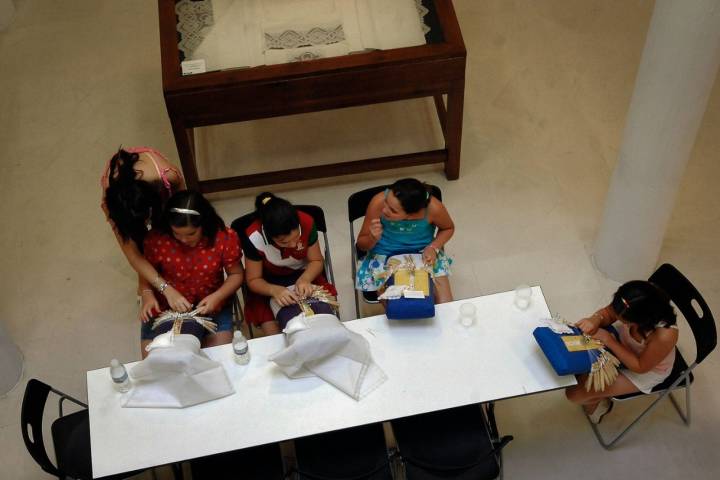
[{"x": 431, "y": 365}]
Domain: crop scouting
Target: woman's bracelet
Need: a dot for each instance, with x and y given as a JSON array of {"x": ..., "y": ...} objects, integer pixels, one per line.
[{"x": 161, "y": 284}]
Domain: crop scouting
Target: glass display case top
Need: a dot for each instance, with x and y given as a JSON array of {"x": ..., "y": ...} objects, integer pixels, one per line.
[{"x": 223, "y": 34}]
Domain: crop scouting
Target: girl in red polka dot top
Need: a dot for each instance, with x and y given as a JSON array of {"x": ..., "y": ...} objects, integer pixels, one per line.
[{"x": 191, "y": 249}]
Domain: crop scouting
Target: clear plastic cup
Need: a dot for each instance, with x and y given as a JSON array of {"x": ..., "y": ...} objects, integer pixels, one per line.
[
  {"x": 467, "y": 314},
  {"x": 523, "y": 297}
]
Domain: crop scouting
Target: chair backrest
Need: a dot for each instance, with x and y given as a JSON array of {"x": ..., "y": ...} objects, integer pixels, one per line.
[
  {"x": 31, "y": 416},
  {"x": 241, "y": 224},
  {"x": 358, "y": 201},
  {"x": 350, "y": 454},
  {"x": 319, "y": 218},
  {"x": 683, "y": 293},
  {"x": 317, "y": 214}
]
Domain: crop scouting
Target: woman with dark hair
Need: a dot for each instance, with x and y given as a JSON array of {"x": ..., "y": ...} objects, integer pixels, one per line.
[
  {"x": 135, "y": 184},
  {"x": 400, "y": 220},
  {"x": 282, "y": 258},
  {"x": 191, "y": 249},
  {"x": 646, "y": 346}
]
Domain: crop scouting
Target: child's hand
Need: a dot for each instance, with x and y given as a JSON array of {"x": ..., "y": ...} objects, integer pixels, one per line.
[
  {"x": 603, "y": 336},
  {"x": 429, "y": 255},
  {"x": 303, "y": 288},
  {"x": 587, "y": 325},
  {"x": 376, "y": 229},
  {"x": 283, "y": 296},
  {"x": 149, "y": 306},
  {"x": 209, "y": 304},
  {"x": 176, "y": 301},
  {"x": 590, "y": 325}
]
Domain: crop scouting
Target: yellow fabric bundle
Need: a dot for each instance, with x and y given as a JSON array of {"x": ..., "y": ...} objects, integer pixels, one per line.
[{"x": 418, "y": 280}]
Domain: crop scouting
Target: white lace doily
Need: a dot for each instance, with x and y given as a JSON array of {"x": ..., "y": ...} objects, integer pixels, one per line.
[
  {"x": 422, "y": 11},
  {"x": 247, "y": 33},
  {"x": 307, "y": 38},
  {"x": 193, "y": 18}
]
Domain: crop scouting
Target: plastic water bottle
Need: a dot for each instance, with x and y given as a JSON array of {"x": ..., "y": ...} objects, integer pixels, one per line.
[
  {"x": 119, "y": 375},
  {"x": 240, "y": 347}
]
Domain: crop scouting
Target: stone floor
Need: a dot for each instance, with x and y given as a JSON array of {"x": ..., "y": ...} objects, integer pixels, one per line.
[{"x": 548, "y": 87}]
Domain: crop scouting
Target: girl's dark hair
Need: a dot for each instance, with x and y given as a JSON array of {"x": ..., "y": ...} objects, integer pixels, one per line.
[
  {"x": 208, "y": 219},
  {"x": 644, "y": 304},
  {"x": 412, "y": 194},
  {"x": 277, "y": 215},
  {"x": 130, "y": 201}
]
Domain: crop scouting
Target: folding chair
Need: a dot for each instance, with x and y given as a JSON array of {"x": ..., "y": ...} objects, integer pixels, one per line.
[
  {"x": 240, "y": 226},
  {"x": 357, "y": 206},
  {"x": 70, "y": 434},
  {"x": 686, "y": 298},
  {"x": 256, "y": 463},
  {"x": 460, "y": 443},
  {"x": 358, "y": 453}
]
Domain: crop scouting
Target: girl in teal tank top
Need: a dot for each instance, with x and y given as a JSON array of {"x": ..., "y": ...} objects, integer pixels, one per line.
[
  {"x": 404, "y": 236},
  {"x": 401, "y": 220}
]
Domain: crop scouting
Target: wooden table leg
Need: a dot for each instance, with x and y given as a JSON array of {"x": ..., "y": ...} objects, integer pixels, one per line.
[
  {"x": 185, "y": 142},
  {"x": 453, "y": 135},
  {"x": 442, "y": 114}
]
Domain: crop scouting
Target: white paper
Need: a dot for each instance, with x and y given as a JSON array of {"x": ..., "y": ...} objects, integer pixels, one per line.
[
  {"x": 413, "y": 294},
  {"x": 190, "y": 67},
  {"x": 176, "y": 374},
  {"x": 321, "y": 345}
]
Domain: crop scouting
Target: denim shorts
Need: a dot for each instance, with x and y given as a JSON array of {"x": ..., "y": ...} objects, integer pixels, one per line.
[{"x": 224, "y": 320}]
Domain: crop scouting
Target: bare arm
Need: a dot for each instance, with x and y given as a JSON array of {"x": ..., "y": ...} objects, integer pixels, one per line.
[
  {"x": 439, "y": 216},
  {"x": 172, "y": 174},
  {"x": 371, "y": 231},
  {"x": 147, "y": 272},
  {"x": 312, "y": 270},
  {"x": 136, "y": 260},
  {"x": 149, "y": 305},
  {"x": 255, "y": 280},
  {"x": 176, "y": 180},
  {"x": 659, "y": 344},
  {"x": 257, "y": 284},
  {"x": 233, "y": 281},
  {"x": 604, "y": 317}
]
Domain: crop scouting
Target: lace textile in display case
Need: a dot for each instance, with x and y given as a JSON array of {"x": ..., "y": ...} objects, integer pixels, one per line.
[{"x": 248, "y": 33}]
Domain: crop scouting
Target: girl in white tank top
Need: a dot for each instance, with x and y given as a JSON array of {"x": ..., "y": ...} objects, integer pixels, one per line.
[{"x": 648, "y": 333}]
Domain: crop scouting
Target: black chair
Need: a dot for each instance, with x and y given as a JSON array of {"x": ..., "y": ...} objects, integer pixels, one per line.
[
  {"x": 460, "y": 443},
  {"x": 357, "y": 206},
  {"x": 255, "y": 463},
  {"x": 687, "y": 300},
  {"x": 70, "y": 434},
  {"x": 358, "y": 453},
  {"x": 241, "y": 224}
]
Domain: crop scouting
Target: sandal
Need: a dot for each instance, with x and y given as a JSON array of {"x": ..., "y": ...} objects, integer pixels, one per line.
[{"x": 603, "y": 408}]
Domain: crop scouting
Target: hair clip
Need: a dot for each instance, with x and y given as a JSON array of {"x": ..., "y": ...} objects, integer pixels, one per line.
[
  {"x": 186, "y": 211},
  {"x": 625, "y": 302},
  {"x": 266, "y": 200}
]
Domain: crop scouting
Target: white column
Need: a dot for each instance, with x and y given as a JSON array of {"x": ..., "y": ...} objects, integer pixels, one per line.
[
  {"x": 11, "y": 362},
  {"x": 7, "y": 12},
  {"x": 677, "y": 71}
]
